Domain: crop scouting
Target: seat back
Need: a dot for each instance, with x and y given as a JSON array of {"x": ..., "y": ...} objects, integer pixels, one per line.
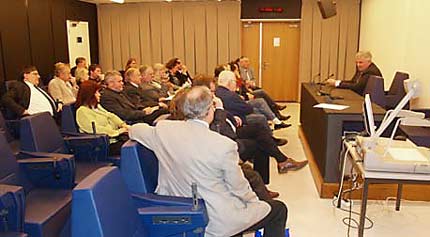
[
  {"x": 68, "y": 119},
  {"x": 397, "y": 87},
  {"x": 9, "y": 170},
  {"x": 102, "y": 206},
  {"x": 375, "y": 88},
  {"x": 139, "y": 167},
  {"x": 40, "y": 133},
  {"x": 4, "y": 128}
]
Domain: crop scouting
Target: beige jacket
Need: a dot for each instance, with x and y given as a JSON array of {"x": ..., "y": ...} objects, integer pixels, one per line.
[
  {"x": 189, "y": 152},
  {"x": 62, "y": 91}
]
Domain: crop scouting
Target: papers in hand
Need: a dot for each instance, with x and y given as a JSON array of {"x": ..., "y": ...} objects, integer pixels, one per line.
[{"x": 331, "y": 106}]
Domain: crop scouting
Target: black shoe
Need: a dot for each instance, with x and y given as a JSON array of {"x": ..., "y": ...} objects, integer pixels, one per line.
[
  {"x": 283, "y": 118},
  {"x": 280, "y": 141},
  {"x": 282, "y": 125},
  {"x": 281, "y": 107}
]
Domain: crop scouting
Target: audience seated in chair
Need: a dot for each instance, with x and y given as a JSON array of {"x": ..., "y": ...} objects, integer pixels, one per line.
[
  {"x": 81, "y": 75},
  {"x": 80, "y": 62},
  {"x": 193, "y": 153},
  {"x": 178, "y": 73},
  {"x": 95, "y": 71},
  {"x": 24, "y": 97},
  {"x": 90, "y": 113},
  {"x": 116, "y": 101},
  {"x": 63, "y": 87},
  {"x": 136, "y": 93}
]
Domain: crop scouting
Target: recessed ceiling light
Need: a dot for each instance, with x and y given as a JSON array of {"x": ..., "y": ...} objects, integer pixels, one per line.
[{"x": 117, "y": 1}]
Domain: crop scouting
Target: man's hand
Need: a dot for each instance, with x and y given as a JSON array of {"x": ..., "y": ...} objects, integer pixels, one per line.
[
  {"x": 218, "y": 102},
  {"x": 163, "y": 105},
  {"x": 150, "y": 110},
  {"x": 239, "y": 122},
  {"x": 59, "y": 107},
  {"x": 25, "y": 113},
  {"x": 250, "y": 96},
  {"x": 331, "y": 82}
]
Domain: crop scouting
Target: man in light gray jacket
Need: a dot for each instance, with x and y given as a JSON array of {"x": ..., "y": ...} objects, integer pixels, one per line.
[{"x": 189, "y": 152}]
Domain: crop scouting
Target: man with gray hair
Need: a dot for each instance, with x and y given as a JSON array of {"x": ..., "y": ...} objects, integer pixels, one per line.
[
  {"x": 115, "y": 101},
  {"x": 364, "y": 69},
  {"x": 195, "y": 154}
]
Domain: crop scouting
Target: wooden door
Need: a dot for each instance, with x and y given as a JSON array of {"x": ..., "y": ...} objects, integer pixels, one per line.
[
  {"x": 251, "y": 44},
  {"x": 280, "y": 64}
]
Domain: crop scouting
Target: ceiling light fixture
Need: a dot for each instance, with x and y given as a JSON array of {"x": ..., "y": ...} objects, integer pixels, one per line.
[{"x": 117, "y": 1}]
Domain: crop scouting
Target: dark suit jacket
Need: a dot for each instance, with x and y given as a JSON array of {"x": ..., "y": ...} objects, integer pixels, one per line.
[
  {"x": 139, "y": 96},
  {"x": 119, "y": 104},
  {"x": 17, "y": 98},
  {"x": 233, "y": 103},
  {"x": 359, "y": 81}
]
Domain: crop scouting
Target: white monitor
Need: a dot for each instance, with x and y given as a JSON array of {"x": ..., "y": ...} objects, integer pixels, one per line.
[{"x": 369, "y": 122}]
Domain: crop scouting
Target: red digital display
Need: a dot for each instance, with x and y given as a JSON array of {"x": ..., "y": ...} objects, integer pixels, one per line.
[{"x": 271, "y": 9}]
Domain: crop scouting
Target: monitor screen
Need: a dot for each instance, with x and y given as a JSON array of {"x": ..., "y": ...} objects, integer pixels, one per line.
[{"x": 369, "y": 122}]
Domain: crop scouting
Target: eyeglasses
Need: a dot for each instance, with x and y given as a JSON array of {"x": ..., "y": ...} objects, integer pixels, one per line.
[{"x": 34, "y": 73}]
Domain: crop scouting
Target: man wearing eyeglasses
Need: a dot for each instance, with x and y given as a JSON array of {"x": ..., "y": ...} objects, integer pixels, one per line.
[{"x": 24, "y": 96}]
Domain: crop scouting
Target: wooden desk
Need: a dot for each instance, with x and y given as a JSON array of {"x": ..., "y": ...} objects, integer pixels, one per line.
[{"x": 323, "y": 128}]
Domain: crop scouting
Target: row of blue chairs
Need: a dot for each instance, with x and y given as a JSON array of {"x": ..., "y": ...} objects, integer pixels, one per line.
[{"x": 36, "y": 186}]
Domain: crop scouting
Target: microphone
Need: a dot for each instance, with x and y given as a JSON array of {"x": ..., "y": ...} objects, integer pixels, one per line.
[
  {"x": 314, "y": 77},
  {"x": 325, "y": 80}
]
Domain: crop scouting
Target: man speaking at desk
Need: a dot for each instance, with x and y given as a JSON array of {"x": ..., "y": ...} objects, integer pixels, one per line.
[{"x": 364, "y": 69}]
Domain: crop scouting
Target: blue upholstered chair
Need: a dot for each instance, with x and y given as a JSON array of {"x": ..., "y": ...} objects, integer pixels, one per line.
[
  {"x": 102, "y": 206},
  {"x": 375, "y": 88},
  {"x": 69, "y": 127},
  {"x": 39, "y": 133},
  {"x": 139, "y": 167},
  {"x": 35, "y": 193},
  {"x": 397, "y": 90}
]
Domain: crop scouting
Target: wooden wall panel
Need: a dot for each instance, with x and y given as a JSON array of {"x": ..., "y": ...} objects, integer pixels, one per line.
[{"x": 34, "y": 32}]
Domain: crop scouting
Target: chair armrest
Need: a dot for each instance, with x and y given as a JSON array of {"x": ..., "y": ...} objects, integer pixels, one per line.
[
  {"x": 173, "y": 220},
  {"x": 12, "y": 209},
  {"x": 13, "y": 234},
  {"x": 49, "y": 172},
  {"x": 88, "y": 147},
  {"x": 35, "y": 154},
  {"x": 154, "y": 200}
]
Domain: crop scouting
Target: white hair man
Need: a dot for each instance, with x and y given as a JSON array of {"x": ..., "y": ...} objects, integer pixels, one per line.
[
  {"x": 364, "y": 69},
  {"x": 195, "y": 154}
]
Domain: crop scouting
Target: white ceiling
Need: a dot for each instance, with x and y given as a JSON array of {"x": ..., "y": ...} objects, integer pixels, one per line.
[{"x": 128, "y": 1}]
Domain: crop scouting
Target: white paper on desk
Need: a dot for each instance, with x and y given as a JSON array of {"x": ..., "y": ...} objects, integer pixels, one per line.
[
  {"x": 331, "y": 106},
  {"x": 406, "y": 154}
]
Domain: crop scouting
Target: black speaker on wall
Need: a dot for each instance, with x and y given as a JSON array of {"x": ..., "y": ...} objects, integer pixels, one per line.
[{"x": 327, "y": 8}]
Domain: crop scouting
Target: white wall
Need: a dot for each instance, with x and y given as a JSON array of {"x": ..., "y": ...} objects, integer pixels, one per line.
[{"x": 397, "y": 32}]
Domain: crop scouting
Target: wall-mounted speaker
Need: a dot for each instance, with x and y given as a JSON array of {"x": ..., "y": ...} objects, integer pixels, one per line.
[{"x": 327, "y": 8}]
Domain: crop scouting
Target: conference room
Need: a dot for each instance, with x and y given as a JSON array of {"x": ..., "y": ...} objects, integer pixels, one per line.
[{"x": 214, "y": 118}]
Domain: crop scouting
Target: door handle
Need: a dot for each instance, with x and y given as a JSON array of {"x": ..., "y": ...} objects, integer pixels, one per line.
[{"x": 265, "y": 65}]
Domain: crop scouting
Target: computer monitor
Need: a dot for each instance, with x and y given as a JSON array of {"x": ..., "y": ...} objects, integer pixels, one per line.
[{"x": 369, "y": 122}]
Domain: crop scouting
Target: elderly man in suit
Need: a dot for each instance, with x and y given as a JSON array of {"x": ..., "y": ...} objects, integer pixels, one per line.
[
  {"x": 116, "y": 101},
  {"x": 364, "y": 69},
  {"x": 25, "y": 97},
  {"x": 195, "y": 154},
  {"x": 62, "y": 88}
]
